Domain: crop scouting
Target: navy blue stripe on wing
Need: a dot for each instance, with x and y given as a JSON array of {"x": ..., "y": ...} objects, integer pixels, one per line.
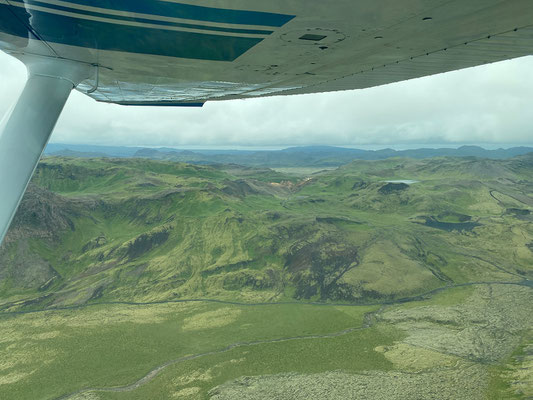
[
  {"x": 192, "y": 12},
  {"x": 131, "y": 39},
  {"x": 11, "y": 23},
  {"x": 150, "y": 21}
]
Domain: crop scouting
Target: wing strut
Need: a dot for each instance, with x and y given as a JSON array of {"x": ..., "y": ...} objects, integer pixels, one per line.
[{"x": 25, "y": 130}]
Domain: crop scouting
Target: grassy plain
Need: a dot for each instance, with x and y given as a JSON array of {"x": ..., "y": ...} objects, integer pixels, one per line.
[{"x": 50, "y": 353}]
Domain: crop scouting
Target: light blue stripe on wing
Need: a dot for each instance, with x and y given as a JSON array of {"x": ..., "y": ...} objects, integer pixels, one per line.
[
  {"x": 62, "y": 8},
  {"x": 191, "y": 12}
]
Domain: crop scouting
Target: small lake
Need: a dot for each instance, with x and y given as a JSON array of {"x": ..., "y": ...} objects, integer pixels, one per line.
[
  {"x": 451, "y": 226},
  {"x": 406, "y": 181}
]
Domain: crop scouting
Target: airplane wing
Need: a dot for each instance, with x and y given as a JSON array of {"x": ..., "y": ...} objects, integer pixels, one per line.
[
  {"x": 187, "y": 52},
  {"x": 170, "y": 52}
]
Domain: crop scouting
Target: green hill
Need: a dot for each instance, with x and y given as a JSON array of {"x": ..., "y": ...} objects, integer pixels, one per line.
[{"x": 93, "y": 230}]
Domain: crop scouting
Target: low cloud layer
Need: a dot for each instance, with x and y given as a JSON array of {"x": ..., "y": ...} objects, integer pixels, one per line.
[{"x": 488, "y": 105}]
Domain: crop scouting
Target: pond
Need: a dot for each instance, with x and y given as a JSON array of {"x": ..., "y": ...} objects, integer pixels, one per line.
[{"x": 406, "y": 181}]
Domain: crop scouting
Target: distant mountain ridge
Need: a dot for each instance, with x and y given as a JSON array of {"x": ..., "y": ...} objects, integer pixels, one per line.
[{"x": 305, "y": 156}]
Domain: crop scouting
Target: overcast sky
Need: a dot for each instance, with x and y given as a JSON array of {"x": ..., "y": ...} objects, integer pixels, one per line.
[{"x": 490, "y": 105}]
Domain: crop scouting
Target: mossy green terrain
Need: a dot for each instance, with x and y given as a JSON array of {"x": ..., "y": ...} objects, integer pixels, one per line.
[{"x": 130, "y": 278}]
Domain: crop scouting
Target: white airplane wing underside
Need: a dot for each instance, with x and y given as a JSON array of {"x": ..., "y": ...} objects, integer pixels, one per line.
[{"x": 190, "y": 52}]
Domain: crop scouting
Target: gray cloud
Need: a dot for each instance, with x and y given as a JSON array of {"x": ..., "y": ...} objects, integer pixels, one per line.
[{"x": 489, "y": 105}]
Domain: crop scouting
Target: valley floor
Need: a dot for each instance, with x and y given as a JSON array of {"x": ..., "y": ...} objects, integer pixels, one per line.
[{"x": 468, "y": 342}]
